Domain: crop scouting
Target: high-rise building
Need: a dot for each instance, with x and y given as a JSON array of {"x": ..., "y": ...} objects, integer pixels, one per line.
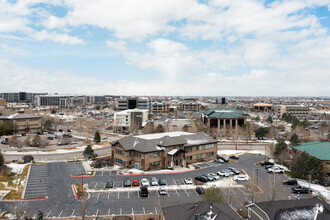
[
  {"x": 19, "y": 96},
  {"x": 64, "y": 101},
  {"x": 133, "y": 103}
]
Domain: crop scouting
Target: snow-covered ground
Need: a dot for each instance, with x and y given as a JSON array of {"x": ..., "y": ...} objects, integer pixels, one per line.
[
  {"x": 316, "y": 188},
  {"x": 240, "y": 152},
  {"x": 16, "y": 168}
]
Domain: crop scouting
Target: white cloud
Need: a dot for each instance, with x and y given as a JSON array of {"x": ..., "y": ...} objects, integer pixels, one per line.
[{"x": 61, "y": 38}]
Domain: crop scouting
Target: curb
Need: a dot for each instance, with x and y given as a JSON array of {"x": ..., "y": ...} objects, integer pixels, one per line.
[
  {"x": 82, "y": 175},
  {"x": 36, "y": 199},
  {"x": 159, "y": 173},
  {"x": 25, "y": 185},
  {"x": 74, "y": 192}
]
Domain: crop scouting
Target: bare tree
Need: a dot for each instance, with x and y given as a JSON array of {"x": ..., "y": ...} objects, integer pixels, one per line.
[
  {"x": 36, "y": 141},
  {"x": 44, "y": 143},
  {"x": 27, "y": 141},
  {"x": 13, "y": 141},
  {"x": 272, "y": 190}
]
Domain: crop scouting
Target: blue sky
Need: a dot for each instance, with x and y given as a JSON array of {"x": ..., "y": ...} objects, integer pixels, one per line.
[{"x": 166, "y": 47}]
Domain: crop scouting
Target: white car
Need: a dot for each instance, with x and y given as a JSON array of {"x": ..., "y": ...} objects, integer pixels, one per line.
[
  {"x": 144, "y": 182},
  {"x": 162, "y": 191},
  {"x": 241, "y": 178},
  {"x": 188, "y": 181},
  {"x": 154, "y": 181},
  {"x": 214, "y": 176},
  {"x": 275, "y": 169},
  {"x": 223, "y": 173}
]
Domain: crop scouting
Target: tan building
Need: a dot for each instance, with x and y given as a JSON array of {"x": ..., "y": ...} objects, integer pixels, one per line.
[
  {"x": 190, "y": 106},
  {"x": 295, "y": 110},
  {"x": 263, "y": 107},
  {"x": 163, "y": 150},
  {"x": 2, "y": 103},
  {"x": 159, "y": 107},
  {"x": 23, "y": 123}
]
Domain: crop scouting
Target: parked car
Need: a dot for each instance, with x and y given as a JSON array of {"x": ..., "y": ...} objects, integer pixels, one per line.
[
  {"x": 136, "y": 182},
  {"x": 275, "y": 169},
  {"x": 19, "y": 135},
  {"x": 162, "y": 182},
  {"x": 236, "y": 172},
  {"x": 200, "y": 190},
  {"x": 188, "y": 181},
  {"x": 235, "y": 157},
  {"x": 203, "y": 179},
  {"x": 4, "y": 142},
  {"x": 60, "y": 130},
  {"x": 50, "y": 132},
  {"x": 50, "y": 138},
  {"x": 40, "y": 133},
  {"x": 209, "y": 177},
  {"x": 225, "y": 159},
  {"x": 214, "y": 176},
  {"x": 162, "y": 191},
  {"x": 67, "y": 135},
  {"x": 109, "y": 184},
  {"x": 144, "y": 182},
  {"x": 144, "y": 191},
  {"x": 269, "y": 166},
  {"x": 127, "y": 182},
  {"x": 62, "y": 143},
  {"x": 265, "y": 163},
  {"x": 223, "y": 173},
  {"x": 241, "y": 178},
  {"x": 154, "y": 181},
  {"x": 301, "y": 190},
  {"x": 290, "y": 182},
  {"x": 69, "y": 130},
  {"x": 218, "y": 160}
]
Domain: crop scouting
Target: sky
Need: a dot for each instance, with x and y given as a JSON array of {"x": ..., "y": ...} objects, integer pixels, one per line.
[{"x": 166, "y": 47}]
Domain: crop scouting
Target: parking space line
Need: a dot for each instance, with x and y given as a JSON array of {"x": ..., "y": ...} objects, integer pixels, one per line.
[
  {"x": 168, "y": 194},
  {"x": 118, "y": 195},
  {"x": 109, "y": 212},
  {"x": 155, "y": 210},
  {"x": 138, "y": 194},
  {"x": 121, "y": 211},
  {"x": 72, "y": 212},
  {"x": 95, "y": 186},
  {"x": 196, "y": 193},
  {"x": 174, "y": 182},
  {"x": 60, "y": 214},
  {"x": 98, "y": 196},
  {"x": 108, "y": 195},
  {"x": 132, "y": 211},
  {"x": 186, "y": 192},
  {"x": 177, "y": 193},
  {"x": 97, "y": 212},
  {"x": 35, "y": 215},
  {"x": 104, "y": 185},
  {"x": 158, "y": 194},
  {"x": 48, "y": 213},
  {"x": 102, "y": 173},
  {"x": 128, "y": 194},
  {"x": 144, "y": 211}
]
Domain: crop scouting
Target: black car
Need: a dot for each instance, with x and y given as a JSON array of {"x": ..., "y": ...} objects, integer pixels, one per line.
[
  {"x": 301, "y": 190},
  {"x": 161, "y": 182},
  {"x": 62, "y": 143},
  {"x": 109, "y": 184},
  {"x": 60, "y": 130},
  {"x": 67, "y": 135},
  {"x": 127, "y": 182},
  {"x": 290, "y": 182},
  {"x": 269, "y": 166},
  {"x": 265, "y": 163},
  {"x": 235, "y": 157},
  {"x": 50, "y": 132},
  {"x": 50, "y": 138},
  {"x": 202, "y": 179},
  {"x": 200, "y": 190},
  {"x": 5, "y": 142},
  {"x": 233, "y": 170},
  {"x": 68, "y": 130},
  {"x": 224, "y": 159},
  {"x": 144, "y": 191}
]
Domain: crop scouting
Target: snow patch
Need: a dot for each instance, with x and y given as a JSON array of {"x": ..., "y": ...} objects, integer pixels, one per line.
[
  {"x": 16, "y": 168},
  {"x": 316, "y": 188}
]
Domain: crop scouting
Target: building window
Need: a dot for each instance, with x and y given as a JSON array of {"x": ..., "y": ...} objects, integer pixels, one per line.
[
  {"x": 188, "y": 158},
  {"x": 199, "y": 156},
  {"x": 209, "y": 154},
  {"x": 200, "y": 147},
  {"x": 208, "y": 146},
  {"x": 188, "y": 149},
  {"x": 120, "y": 152},
  {"x": 156, "y": 163},
  {"x": 154, "y": 154}
]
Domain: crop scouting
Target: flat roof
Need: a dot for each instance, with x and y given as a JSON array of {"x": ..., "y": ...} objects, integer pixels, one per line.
[
  {"x": 160, "y": 135},
  {"x": 263, "y": 104}
]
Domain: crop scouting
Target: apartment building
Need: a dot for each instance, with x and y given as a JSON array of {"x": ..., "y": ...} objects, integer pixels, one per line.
[
  {"x": 19, "y": 96},
  {"x": 3, "y": 103},
  {"x": 190, "y": 106},
  {"x": 163, "y": 150},
  {"x": 129, "y": 119},
  {"x": 64, "y": 101},
  {"x": 299, "y": 111},
  {"x": 133, "y": 103},
  {"x": 160, "y": 107},
  {"x": 263, "y": 107},
  {"x": 23, "y": 123}
]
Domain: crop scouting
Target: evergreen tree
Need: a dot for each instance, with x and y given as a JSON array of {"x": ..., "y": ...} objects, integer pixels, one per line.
[
  {"x": 305, "y": 165},
  {"x": 257, "y": 118},
  {"x": 261, "y": 132},
  {"x": 48, "y": 124},
  {"x": 2, "y": 159},
  {"x": 88, "y": 152},
  {"x": 97, "y": 137},
  {"x": 294, "y": 139},
  {"x": 280, "y": 147},
  {"x": 270, "y": 119},
  {"x": 160, "y": 129}
]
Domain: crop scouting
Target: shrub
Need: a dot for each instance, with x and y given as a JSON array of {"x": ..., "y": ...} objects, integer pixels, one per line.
[{"x": 28, "y": 158}]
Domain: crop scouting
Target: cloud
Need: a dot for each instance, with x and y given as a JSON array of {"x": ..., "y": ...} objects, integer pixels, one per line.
[{"x": 61, "y": 38}]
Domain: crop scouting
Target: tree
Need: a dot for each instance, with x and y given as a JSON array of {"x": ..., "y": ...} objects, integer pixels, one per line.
[
  {"x": 149, "y": 128},
  {"x": 40, "y": 215},
  {"x": 270, "y": 119},
  {"x": 36, "y": 141},
  {"x": 48, "y": 124},
  {"x": 13, "y": 141},
  {"x": 6, "y": 128},
  {"x": 27, "y": 158},
  {"x": 280, "y": 147},
  {"x": 44, "y": 143},
  {"x": 213, "y": 194},
  {"x": 88, "y": 152},
  {"x": 294, "y": 139},
  {"x": 305, "y": 165},
  {"x": 97, "y": 137},
  {"x": 53, "y": 111},
  {"x": 97, "y": 107},
  {"x": 185, "y": 128},
  {"x": 261, "y": 132},
  {"x": 328, "y": 137},
  {"x": 257, "y": 118},
  {"x": 27, "y": 141},
  {"x": 2, "y": 159},
  {"x": 160, "y": 129}
]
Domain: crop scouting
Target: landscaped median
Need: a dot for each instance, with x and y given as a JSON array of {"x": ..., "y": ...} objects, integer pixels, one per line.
[{"x": 80, "y": 191}]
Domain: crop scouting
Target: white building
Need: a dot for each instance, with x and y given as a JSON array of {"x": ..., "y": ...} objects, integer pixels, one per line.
[{"x": 130, "y": 118}]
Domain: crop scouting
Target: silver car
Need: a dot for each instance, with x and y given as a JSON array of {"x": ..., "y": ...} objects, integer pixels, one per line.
[{"x": 154, "y": 181}]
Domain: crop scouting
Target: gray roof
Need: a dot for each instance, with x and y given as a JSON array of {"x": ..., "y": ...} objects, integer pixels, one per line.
[
  {"x": 20, "y": 116},
  {"x": 150, "y": 145},
  {"x": 277, "y": 210},
  {"x": 190, "y": 210}
]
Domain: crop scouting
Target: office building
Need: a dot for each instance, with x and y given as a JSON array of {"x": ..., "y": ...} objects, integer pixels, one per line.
[
  {"x": 190, "y": 106},
  {"x": 133, "y": 103},
  {"x": 263, "y": 107},
  {"x": 3, "y": 103},
  {"x": 19, "y": 96},
  {"x": 221, "y": 101},
  {"x": 130, "y": 119},
  {"x": 298, "y": 111},
  {"x": 160, "y": 107},
  {"x": 23, "y": 123},
  {"x": 64, "y": 101}
]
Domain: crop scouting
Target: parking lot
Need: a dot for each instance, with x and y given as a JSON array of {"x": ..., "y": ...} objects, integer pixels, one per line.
[
  {"x": 37, "y": 182},
  {"x": 76, "y": 168},
  {"x": 105, "y": 173}
]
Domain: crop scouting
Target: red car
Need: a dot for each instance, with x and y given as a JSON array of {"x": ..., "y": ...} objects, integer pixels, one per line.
[{"x": 136, "y": 182}]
